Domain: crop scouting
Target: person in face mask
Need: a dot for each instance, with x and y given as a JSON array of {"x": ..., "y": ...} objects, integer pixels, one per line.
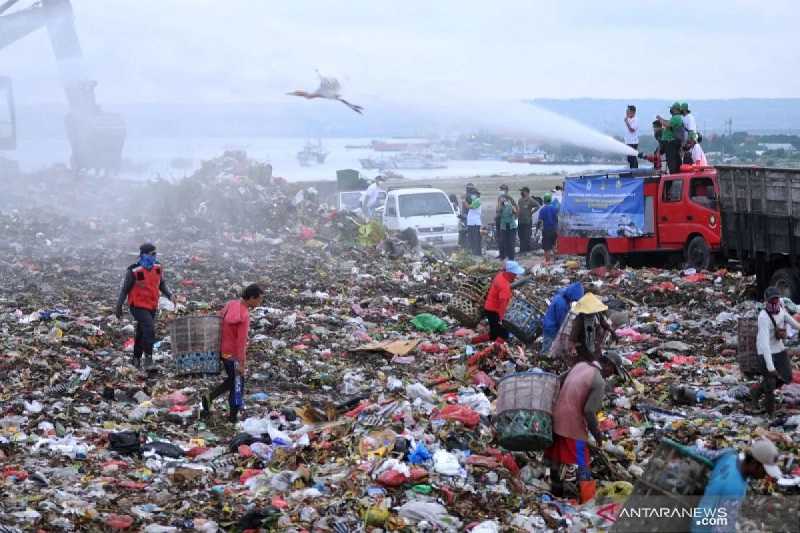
[
  {"x": 776, "y": 369},
  {"x": 143, "y": 285}
]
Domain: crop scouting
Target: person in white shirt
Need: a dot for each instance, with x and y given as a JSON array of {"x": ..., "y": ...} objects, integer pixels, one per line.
[
  {"x": 698, "y": 155},
  {"x": 473, "y": 205},
  {"x": 631, "y": 134},
  {"x": 689, "y": 122},
  {"x": 777, "y": 368},
  {"x": 369, "y": 201}
]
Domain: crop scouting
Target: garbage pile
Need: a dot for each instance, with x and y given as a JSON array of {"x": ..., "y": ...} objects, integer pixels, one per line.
[{"x": 367, "y": 408}]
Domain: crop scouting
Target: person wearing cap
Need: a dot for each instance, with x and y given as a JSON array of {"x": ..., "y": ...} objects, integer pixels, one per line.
[
  {"x": 631, "y": 134},
  {"x": 233, "y": 346},
  {"x": 142, "y": 287},
  {"x": 548, "y": 216},
  {"x": 575, "y": 417},
  {"x": 727, "y": 484},
  {"x": 525, "y": 207},
  {"x": 673, "y": 137},
  {"x": 776, "y": 369},
  {"x": 557, "y": 311},
  {"x": 472, "y": 204},
  {"x": 369, "y": 201},
  {"x": 506, "y": 224},
  {"x": 497, "y": 300}
]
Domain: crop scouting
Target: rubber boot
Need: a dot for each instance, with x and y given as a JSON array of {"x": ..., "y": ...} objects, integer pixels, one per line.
[
  {"x": 233, "y": 416},
  {"x": 148, "y": 361}
]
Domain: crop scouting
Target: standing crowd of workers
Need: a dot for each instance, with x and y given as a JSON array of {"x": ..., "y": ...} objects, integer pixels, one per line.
[{"x": 514, "y": 221}]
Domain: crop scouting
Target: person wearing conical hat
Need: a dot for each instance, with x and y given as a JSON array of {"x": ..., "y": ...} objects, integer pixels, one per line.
[{"x": 591, "y": 327}]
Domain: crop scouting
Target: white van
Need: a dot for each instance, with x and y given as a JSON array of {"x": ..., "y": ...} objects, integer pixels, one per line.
[{"x": 427, "y": 210}]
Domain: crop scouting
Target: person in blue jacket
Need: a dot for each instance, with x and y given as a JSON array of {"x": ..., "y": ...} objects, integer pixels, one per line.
[
  {"x": 727, "y": 485},
  {"x": 557, "y": 312}
]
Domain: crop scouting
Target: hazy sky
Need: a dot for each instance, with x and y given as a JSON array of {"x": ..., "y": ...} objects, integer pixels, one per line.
[{"x": 216, "y": 51}]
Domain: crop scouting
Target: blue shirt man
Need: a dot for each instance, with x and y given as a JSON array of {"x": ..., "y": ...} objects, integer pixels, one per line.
[
  {"x": 557, "y": 311},
  {"x": 727, "y": 486}
]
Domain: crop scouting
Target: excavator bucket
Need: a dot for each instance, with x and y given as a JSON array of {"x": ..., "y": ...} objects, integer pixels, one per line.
[{"x": 97, "y": 140}]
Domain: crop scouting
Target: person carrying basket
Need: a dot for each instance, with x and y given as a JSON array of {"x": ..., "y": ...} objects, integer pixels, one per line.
[{"x": 233, "y": 346}]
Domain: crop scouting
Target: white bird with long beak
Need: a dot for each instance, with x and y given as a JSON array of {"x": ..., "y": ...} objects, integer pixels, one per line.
[{"x": 330, "y": 89}]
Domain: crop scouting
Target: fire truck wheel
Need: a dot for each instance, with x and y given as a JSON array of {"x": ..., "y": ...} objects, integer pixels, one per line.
[
  {"x": 698, "y": 254},
  {"x": 599, "y": 256}
]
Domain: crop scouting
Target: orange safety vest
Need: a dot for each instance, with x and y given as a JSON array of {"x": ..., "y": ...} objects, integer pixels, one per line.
[{"x": 145, "y": 291}]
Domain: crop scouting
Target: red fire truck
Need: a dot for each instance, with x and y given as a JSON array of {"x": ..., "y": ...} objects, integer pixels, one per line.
[
  {"x": 743, "y": 213},
  {"x": 681, "y": 217}
]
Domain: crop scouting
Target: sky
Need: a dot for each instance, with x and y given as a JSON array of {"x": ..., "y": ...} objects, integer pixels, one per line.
[{"x": 252, "y": 51}]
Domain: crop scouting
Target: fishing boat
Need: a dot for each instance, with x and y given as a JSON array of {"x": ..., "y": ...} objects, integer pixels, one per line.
[{"x": 311, "y": 154}]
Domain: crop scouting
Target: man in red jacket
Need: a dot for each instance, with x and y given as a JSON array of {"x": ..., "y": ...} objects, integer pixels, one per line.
[
  {"x": 143, "y": 285},
  {"x": 497, "y": 301},
  {"x": 233, "y": 345}
]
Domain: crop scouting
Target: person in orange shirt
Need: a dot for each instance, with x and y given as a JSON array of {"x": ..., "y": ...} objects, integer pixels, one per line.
[
  {"x": 497, "y": 300},
  {"x": 233, "y": 345}
]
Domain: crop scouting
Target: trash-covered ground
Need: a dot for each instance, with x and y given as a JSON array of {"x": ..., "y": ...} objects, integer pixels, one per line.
[{"x": 360, "y": 415}]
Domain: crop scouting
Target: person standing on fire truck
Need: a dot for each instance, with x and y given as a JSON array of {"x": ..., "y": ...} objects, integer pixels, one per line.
[{"x": 143, "y": 285}]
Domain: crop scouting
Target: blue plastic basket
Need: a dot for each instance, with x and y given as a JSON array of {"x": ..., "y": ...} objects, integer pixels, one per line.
[{"x": 523, "y": 320}]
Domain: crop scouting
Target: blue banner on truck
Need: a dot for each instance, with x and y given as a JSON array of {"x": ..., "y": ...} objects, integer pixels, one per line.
[{"x": 602, "y": 207}]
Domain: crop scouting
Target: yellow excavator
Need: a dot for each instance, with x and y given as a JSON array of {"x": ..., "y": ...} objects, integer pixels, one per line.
[{"x": 95, "y": 136}]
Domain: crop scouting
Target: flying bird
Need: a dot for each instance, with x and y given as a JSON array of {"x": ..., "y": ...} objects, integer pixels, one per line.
[{"x": 328, "y": 88}]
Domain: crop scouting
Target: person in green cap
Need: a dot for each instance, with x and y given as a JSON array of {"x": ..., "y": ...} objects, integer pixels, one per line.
[{"x": 673, "y": 137}]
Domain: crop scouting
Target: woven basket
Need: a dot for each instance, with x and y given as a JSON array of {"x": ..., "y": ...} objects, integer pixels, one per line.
[
  {"x": 195, "y": 344},
  {"x": 746, "y": 352}
]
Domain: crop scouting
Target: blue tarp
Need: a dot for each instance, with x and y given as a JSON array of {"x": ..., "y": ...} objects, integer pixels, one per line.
[{"x": 602, "y": 207}]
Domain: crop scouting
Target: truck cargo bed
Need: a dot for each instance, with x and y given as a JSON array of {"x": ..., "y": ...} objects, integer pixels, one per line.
[{"x": 760, "y": 209}]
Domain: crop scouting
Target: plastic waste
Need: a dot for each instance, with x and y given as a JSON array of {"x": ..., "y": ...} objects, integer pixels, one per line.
[
  {"x": 431, "y": 512},
  {"x": 429, "y": 323},
  {"x": 446, "y": 463}
]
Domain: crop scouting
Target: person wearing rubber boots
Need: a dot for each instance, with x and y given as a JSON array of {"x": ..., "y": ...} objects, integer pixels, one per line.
[
  {"x": 776, "y": 367},
  {"x": 497, "y": 300},
  {"x": 574, "y": 418},
  {"x": 142, "y": 287},
  {"x": 233, "y": 345}
]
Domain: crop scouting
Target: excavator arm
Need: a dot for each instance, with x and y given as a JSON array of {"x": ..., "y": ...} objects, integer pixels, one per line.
[{"x": 96, "y": 137}]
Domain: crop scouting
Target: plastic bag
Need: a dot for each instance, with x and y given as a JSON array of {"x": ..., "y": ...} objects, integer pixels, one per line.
[
  {"x": 460, "y": 413},
  {"x": 419, "y": 455},
  {"x": 125, "y": 442},
  {"x": 429, "y": 323},
  {"x": 418, "y": 390},
  {"x": 477, "y": 401},
  {"x": 434, "y": 513},
  {"x": 446, "y": 463}
]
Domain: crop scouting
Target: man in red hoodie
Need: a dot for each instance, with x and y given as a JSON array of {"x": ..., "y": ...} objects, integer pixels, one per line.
[
  {"x": 497, "y": 301},
  {"x": 233, "y": 345}
]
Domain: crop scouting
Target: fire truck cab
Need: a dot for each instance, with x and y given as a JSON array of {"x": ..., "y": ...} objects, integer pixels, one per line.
[{"x": 614, "y": 215}]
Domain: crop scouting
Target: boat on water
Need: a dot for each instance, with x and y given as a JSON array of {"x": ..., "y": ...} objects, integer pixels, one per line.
[
  {"x": 312, "y": 154},
  {"x": 383, "y": 146},
  {"x": 410, "y": 161}
]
